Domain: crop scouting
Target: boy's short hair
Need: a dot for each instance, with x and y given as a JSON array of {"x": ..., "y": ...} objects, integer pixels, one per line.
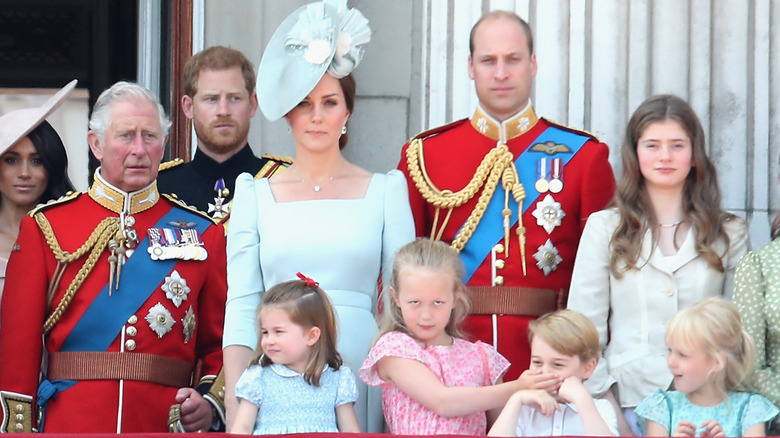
[{"x": 568, "y": 332}]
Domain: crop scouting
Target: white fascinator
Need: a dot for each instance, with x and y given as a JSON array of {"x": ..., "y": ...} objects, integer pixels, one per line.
[{"x": 320, "y": 37}]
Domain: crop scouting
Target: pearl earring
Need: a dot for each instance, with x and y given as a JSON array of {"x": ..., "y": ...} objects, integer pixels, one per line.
[{"x": 344, "y": 130}]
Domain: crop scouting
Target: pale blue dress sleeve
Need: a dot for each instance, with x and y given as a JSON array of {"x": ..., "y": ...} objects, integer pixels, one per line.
[
  {"x": 757, "y": 410},
  {"x": 656, "y": 407},
  {"x": 245, "y": 278},
  {"x": 347, "y": 390},
  {"x": 250, "y": 385},
  {"x": 398, "y": 224}
]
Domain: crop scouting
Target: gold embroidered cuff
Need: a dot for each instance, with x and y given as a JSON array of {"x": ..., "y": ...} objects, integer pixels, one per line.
[{"x": 17, "y": 412}]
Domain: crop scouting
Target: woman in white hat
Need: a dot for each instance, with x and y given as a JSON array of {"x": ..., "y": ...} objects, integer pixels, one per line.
[
  {"x": 324, "y": 216},
  {"x": 33, "y": 168}
]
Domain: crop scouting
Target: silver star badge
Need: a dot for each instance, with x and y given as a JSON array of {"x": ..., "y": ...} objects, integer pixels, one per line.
[
  {"x": 548, "y": 213},
  {"x": 160, "y": 319},
  {"x": 188, "y": 323},
  {"x": 176, "y": 288},
  {"x": 547, "y": 258}
]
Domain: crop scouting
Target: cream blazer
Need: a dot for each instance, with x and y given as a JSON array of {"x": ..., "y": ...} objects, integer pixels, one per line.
[{"x": 630, "y": 313}]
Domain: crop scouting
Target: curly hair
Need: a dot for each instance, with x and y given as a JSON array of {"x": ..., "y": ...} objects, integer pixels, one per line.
[{"x": 701, "y": 193}]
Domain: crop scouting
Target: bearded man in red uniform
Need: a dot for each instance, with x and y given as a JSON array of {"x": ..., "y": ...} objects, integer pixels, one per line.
[
  {"x": 510, "y": 191},
  {"x": 114, "y": 300}
]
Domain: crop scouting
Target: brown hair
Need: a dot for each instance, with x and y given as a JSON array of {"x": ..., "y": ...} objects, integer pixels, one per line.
[
  {"x": 217, "y": 58},
  {"x": 494, "y": 15},
  {"x": 568, "y": 332},
  {"x": 307, "y": 306},
  {"x": 349, "y": 88},
  {"x": 701, "y": 197},
  {"x": 435, "y": 256}
]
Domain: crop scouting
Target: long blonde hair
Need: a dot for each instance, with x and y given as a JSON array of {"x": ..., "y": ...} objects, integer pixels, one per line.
[
  {"x": 714, "y": 326},
  {"x": 434, "y": 256},
  {"x": 701, "y": 197},
  {"x": 307, "y": 306}
]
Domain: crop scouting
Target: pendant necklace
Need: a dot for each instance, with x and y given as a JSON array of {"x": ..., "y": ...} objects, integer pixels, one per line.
[
  {"x": 316, "y": 187},
  {"x": 672, "y": 225}
]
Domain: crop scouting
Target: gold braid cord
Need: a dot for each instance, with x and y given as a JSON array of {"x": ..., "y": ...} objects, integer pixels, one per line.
[
  {"x": 497, "y": 165},
  {"x": 96, "y": 243}
]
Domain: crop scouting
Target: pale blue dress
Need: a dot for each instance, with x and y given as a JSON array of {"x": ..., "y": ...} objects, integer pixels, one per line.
[
  {"x": 287, "y": 404},
  {"x": 340, "y": 243},
  {"x": 744, "y": 409}
]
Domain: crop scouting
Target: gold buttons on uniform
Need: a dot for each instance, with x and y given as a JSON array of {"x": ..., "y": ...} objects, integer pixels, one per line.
[
  {"x": 131, "y": 331},
  {"x": 499, "y": 280},
  {"x": 19, "y": 418},
  {"x": 19, "y": 427},
  {"x": 500, "y": 264},
  {"x": 132, "y": 320},
  {"x": 130, "y": 345},
  {"x": 19, "y": 409},
  {"x": 499, "y": 247}
]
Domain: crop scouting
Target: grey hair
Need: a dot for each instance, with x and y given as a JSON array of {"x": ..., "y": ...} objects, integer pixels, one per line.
[{"x": 121, "y": 91}]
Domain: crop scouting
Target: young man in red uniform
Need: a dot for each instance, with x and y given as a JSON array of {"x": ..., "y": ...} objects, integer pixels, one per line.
[
  {"x": 125, "y": 289},
  {"x": 468, "y": 181}
]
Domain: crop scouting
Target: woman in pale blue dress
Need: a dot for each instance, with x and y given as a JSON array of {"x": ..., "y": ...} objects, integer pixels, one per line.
[{"x": 324, "y": 216}]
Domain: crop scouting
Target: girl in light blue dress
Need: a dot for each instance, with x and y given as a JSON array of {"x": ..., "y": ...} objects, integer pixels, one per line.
[
  {"x": 709, "y": 356},
  {"x": 296, "y": 381}
]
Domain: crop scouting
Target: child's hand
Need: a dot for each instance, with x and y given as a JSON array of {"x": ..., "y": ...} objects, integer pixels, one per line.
[
  {"x": 572, "y": 390},
  {"x": 535, "y": 379},
  {"x": 685, "y": 428},
  {"x": 540, "y": 400},
  {"x": 711, "y": 428}
]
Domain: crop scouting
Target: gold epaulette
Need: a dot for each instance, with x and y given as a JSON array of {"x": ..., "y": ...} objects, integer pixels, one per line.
[
  {"x": 165, "y": 165},
  {"x": 437, "y": 130},
  {"x": 184, "y": 205},
  {"x": 273, "y": 164},
  {"x": 572, "y": 129},
  {"x": 67, "y": 197},
  {"x": 280, "y": 158}
]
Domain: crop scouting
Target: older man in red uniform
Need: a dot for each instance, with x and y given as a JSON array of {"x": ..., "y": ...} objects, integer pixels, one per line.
[
  {"x": 119, "y": 293},
  {"x": 469, "y": 180}
]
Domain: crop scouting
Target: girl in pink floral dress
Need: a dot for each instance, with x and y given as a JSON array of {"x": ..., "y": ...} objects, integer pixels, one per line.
[{"x": 433, "y": 381}]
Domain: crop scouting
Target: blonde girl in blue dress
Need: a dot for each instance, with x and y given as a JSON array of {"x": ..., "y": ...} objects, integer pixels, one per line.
[
  {"x": 296, "y": 381},
  {"x": 709, "y": 356}
]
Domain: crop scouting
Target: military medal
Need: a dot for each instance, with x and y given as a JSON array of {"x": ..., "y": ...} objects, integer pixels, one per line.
[
  {"x": 176, "y": 243},
  {"x": 547, "y": 258},
  {"x": 556, "y": 183},
  {"x": 542, "y": 184},
  {"x": 188, "y": 324},
  {"x": 160, "y": 319},
  {"x": 548, "y": 213},
  {"x": 219, "y": 208},
  {"x": 176, "y": 288}
]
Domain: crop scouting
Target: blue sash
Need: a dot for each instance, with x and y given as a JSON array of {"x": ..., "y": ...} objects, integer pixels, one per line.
[
  {"x": 491, "y": 228},
  {"x": 106, "y": 315}
]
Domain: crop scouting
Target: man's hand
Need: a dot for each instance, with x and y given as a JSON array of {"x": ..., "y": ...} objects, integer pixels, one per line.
[{"x": 196, "y": 413}]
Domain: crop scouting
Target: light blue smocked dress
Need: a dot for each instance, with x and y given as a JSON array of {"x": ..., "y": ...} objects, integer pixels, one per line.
[
  {"x": 744, "y": 409},
  {"x": 287, "y": 404}
]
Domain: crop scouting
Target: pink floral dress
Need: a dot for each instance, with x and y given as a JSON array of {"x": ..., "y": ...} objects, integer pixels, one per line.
[{"x": 462, "y": 364}]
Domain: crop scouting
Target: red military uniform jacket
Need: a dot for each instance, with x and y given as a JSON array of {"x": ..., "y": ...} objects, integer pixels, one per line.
[
  {"x": 449, "y": 158},
  {"x": 171, "y": 334}
]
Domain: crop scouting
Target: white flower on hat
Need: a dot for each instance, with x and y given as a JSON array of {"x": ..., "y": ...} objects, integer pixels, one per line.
[
  {"x": 344, "y": 44},
  {"x": 317, "y": 52}
]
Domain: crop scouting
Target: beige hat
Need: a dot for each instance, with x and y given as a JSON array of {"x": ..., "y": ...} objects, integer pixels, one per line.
[{"x": 17, "y": 124}]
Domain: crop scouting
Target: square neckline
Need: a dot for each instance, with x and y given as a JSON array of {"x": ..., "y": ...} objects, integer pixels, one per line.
[{"x": 267, "y": 185}]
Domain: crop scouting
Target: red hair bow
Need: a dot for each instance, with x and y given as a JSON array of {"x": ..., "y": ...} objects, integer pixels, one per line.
[{"x": 309, "y": 281}]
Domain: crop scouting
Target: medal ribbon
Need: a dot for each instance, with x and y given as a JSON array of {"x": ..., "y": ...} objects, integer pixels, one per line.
[
  {"x": 491, "y": 228},
  {"x": 105, "y": 316}
]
